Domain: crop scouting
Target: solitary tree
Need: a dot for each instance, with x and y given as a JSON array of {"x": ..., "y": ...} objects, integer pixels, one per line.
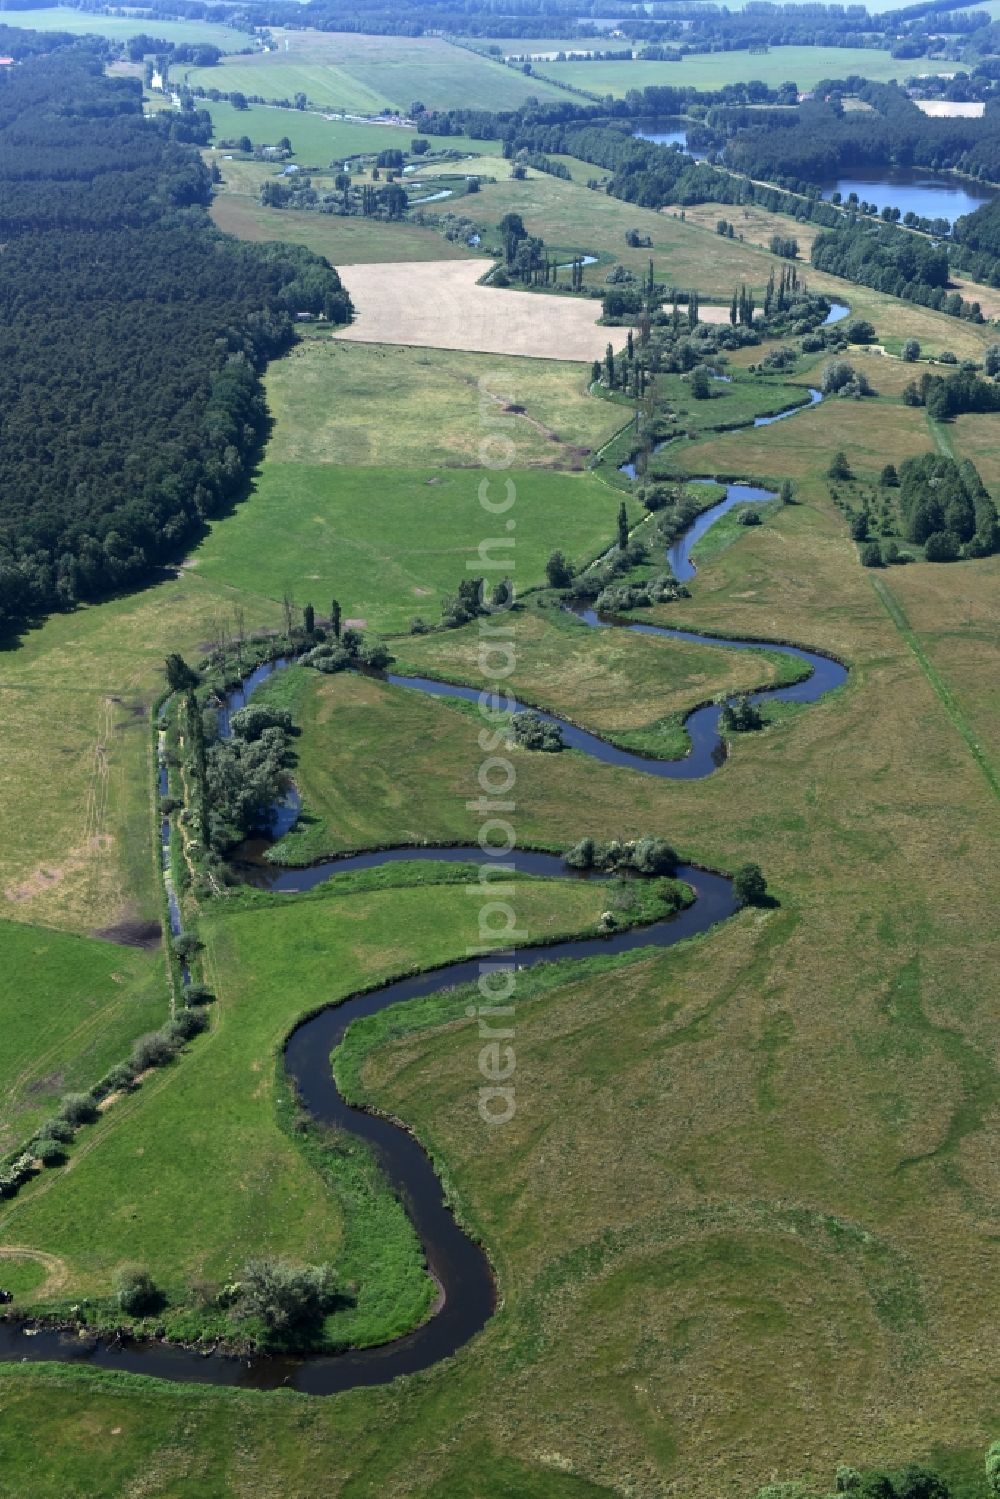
[
  {"x": 558, "y": 571},
  {"x": 286, "y": 1297},
  {"x": 749, "y": 885},
  {"x": 701, "y": 383},
  {"x": 335, "y": 618},
  {"x": 993, "y": 1452},
  {"x": 180, "y": 676},
  {"x": 622, "y": 526},
  {"x": 839, "y": 466},
  {"x": 910, "y": 351},
  {"x": 136, "y": 1291},
  {"x": 787, "y": 492},
  {"x": 309, "y": 619}
]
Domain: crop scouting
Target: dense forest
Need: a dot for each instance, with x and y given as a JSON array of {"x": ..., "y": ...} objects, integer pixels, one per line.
[
  {"x": 820, "y": 140},
  {"x": 977, "y": 243},
  {"x": 132, "y": 334}
]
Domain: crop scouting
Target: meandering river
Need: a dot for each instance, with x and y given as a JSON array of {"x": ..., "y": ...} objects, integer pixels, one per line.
[{"x": 467, "y": 1287}]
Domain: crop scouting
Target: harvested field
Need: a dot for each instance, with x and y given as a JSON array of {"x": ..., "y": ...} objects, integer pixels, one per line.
[
  {"x": 948, "y": 109},
  {"x": 438, "y": 305}
]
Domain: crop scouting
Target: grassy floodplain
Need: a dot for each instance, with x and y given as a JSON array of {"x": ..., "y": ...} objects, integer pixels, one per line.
[
  {"x": 749, "y": 1193},
  {"x": 812, "y": 1242},
  {"x": 270, "y": 965}
]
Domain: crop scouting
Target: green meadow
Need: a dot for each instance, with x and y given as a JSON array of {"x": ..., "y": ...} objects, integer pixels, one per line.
[
  {"x": 71, "y": 1008},
  {"x": 119, "y": 28},
  {"x": 317, "y": 140},
  {"x": 366, "y": 74},
  {"x": 131, "y": 1197},
  {"x": 805, "y": 66},
  {"x": 390, "y": 542}
]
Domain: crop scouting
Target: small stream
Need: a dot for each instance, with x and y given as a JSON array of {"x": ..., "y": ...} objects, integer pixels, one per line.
[{"x": 815, "y": 396}]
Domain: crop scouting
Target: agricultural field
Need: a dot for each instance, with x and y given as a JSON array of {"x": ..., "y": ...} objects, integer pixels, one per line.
[
  {"x": 367, "y": 74},
  {"x": 805, "y": 66},
  {"x": 441, "y": 305}
]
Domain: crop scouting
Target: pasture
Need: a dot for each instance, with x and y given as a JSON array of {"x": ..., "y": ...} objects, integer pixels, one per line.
[
  {"x": 367, "y": 74},
  {"x": 390, "y": 542},
  {"x": 440, "y": 305},
  {"x": 431, "y": 406}
]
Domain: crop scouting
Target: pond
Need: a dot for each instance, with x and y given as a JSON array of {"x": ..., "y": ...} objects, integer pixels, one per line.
[{"x": 671, "y": 130}]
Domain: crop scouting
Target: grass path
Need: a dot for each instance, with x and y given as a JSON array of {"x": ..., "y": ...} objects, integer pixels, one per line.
[{"x": 948, "y": 702}]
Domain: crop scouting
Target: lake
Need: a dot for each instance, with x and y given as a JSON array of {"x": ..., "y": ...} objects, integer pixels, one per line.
[{"x": 930, "y": 194}]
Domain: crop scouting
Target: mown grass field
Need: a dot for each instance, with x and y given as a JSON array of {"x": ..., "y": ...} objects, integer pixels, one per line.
[
  {"x": 119, "y": 27},
  {"x": 365, "y": 74},
  {"x": 71, "y": 1008},
  {"x": 77, "y": 696},
  {"x": 324, "y": 394},
  {"x": 805, "y": 66}
]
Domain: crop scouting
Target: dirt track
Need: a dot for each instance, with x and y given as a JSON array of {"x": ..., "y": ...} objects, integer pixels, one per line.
[{"x": 436, "y": 304}]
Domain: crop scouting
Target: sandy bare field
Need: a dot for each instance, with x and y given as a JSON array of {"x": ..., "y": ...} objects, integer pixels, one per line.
[
  {"x": 436, "y": 304},
  {"x": 944, "y": 109}
]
